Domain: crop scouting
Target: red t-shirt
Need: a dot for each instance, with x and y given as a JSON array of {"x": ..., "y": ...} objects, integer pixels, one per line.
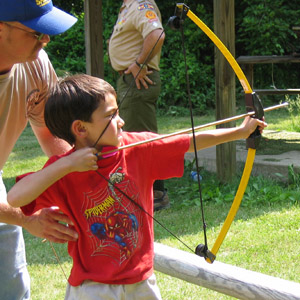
[{"x": 115, "y": 244}]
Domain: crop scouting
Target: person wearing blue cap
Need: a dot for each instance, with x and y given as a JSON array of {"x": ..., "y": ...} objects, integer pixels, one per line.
[{"x": 26, "y": 75}]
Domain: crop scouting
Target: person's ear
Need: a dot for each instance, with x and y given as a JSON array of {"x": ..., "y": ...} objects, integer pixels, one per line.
[{"x": 78, "y": 129}]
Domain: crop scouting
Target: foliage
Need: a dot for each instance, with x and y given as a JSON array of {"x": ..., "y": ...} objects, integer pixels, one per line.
[
  {"x": 67, "y": 51},
  {"x": 262, "y": 28},
  {"x": 74, "y": 6},
  {"x": 265, "y": 28},
  {"x": 294, "y": 110},
  {"x": 200, "y": 71},
  {"x": 260, "y": 190}
]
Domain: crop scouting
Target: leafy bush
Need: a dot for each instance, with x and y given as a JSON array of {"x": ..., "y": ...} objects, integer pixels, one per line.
[
  {"x": 260, "y": 190},
  {"x": 67, "y": 51},
  {"x": 265, "y": 28}
]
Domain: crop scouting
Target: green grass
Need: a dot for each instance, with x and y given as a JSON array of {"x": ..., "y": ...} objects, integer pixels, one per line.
[{"x": 264, "y": 237}]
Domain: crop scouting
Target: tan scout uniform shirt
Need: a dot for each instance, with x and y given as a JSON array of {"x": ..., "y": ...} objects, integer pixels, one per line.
[
  {"x": 23, "y": 91},
  {"x": 137, "y": 18}
]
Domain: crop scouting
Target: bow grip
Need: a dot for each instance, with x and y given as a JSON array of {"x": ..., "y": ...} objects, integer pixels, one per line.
[{"x": 253, "y": 103}]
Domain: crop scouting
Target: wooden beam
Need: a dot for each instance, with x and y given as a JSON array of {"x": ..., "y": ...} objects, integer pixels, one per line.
[
  {"x": 277, "y": 91},
  {"x": 225, "y": 85},
  {"x": 268, "y": 59},
  {"x": 223, "y": 278},
  {"x": 93, "y": 38}
]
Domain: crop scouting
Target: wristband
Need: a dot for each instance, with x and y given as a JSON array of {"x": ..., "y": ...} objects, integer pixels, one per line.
[{"x": 140, "y": 65}]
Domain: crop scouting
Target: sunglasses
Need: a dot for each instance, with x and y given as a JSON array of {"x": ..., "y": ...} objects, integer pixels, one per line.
[{"x": 37, "y": 35}]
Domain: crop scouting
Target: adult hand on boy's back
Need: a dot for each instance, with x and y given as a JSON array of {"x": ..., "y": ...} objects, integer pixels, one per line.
[{"x": 45, "y": 223}]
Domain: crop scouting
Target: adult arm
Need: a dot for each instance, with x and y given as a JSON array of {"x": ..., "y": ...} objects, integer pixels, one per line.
[
  {"x": 209, "y": 138},
  {"x": 148, "y": 45},
  {"x": 50, "y": 145},
  {"x": 44, "y": 223}
]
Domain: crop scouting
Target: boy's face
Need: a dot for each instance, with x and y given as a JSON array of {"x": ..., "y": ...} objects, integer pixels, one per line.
[{"x": 100, "y": 118}]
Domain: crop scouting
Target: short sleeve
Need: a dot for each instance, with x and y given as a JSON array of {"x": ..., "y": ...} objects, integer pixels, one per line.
[
  {"x": 45, "y": 77},
  {"x": 146, "y": 19}
]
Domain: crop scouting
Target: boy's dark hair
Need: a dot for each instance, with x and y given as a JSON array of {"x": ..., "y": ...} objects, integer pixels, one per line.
[{"x": 74, "y": 98}]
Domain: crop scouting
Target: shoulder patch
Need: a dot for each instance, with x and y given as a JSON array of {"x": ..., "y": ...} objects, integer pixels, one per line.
[
  {"x": 145, "y": 6},
  {"x": 150, "y": 15}
]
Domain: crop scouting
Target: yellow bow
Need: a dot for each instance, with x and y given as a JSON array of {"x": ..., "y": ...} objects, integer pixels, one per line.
[{"x": 183, "y": 10}]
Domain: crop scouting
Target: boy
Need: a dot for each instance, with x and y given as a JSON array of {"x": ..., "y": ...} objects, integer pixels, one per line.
[{"x": 106, "y": 198}]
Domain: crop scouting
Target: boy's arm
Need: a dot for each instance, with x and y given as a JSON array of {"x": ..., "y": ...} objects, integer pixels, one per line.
[
  {"x": 209, "y": 138},
  {"x": 33, "y": 185}
]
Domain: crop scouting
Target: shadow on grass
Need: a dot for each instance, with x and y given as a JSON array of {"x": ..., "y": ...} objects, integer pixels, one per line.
[{"x": 279, "y": 142}]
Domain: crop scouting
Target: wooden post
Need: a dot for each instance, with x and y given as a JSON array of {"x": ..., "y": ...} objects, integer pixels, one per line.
[
  {"x": 225, "y": 85},
  {"x": 94, "y": 38},
  {"x": 223, "y": 278}
]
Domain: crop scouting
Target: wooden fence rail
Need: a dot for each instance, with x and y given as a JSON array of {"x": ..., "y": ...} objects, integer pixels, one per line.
[
  {"x": 248, "y": 63},
  {"x": 223, "y": 278}
]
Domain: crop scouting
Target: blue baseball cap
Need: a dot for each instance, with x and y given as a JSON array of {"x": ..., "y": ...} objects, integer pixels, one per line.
[{"x": 39, "y": 15}]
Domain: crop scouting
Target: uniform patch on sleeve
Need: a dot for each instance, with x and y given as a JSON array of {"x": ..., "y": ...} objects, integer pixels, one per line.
[
  {"x": 145, "y": 6},
  {"x": 151, "y": 16}
]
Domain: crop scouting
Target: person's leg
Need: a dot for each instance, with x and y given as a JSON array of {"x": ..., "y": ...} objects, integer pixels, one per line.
[
  {"x": 14, "y": 277},
  {"x": 138, "y": 107},
  {"x": 160, "y": 195},
  {"x": 90, "y": 290},
  {"x": 144, "y": 290}
]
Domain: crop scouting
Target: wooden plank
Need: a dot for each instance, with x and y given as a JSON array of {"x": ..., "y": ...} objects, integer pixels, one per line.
[
  {"x": 225, "y": 85},
  {"x": 296, "y": 29},
  {"x": 277, "y": 91},
  {"x": 94, "y": 38},
  {"x": 271, "y": 59},
  {"x": 223, "y": 278}
]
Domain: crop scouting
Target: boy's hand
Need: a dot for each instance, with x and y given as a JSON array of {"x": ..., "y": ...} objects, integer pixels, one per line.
[
  {"x": 45, "y": 223},
  {"x": 249, "y": 125},
  {"x": 82, "y": 160}
]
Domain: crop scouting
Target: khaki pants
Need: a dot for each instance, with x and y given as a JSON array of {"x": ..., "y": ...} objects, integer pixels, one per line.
[
  {"x": 138, "y": 107},
  {"x": 90, "y": 290}
]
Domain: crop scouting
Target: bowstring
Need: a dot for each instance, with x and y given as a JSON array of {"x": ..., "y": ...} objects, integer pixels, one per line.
[
  {"x": 103, "y": 131},
  {"x": 123, "y": 193},
  {"x": 143, "y": 210},
  {"x": 194, "y": 141},
  {"x": 194, "y": 137},
  {"x": 129, "y": 87}
]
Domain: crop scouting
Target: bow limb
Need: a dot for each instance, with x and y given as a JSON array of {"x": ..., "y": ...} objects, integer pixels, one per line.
[
  {"x": 235, "y": 66},
  {"x": 252, "y": 102},
  {"x": 183, "y": 9}
]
